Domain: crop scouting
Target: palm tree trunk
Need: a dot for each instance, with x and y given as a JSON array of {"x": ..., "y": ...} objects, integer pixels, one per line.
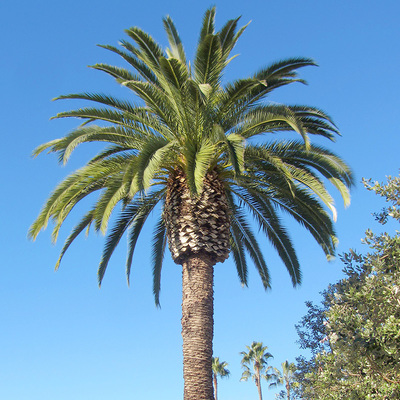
[
  {"x": 259, "y": 385},
  {"x": 288, "y": 390},
  {"x": 215, "y": 387},
  {"x": 197, "y": 326}
]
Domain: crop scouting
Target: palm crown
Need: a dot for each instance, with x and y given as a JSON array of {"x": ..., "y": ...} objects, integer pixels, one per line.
[
  {"x": 193, "y": 126},
  {"x": 192, "y": 148}
]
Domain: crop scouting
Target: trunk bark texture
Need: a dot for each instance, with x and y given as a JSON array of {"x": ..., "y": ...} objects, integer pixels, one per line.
[
  {"x": 197, "y": 225},
  {"x": 197, "y": 327},
  {"x": 215, "y": 387},
  {"x": 258, "y": 383},
  {"x": 198, "y": 232}
]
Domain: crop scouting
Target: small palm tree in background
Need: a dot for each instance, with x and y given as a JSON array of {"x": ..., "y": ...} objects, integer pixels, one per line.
[
  {"x": 199, "y": 152},
  {"x": 219, "y": 369},
  {"x": 284, "y": 377},
  {"x": 255, "y": 364}
]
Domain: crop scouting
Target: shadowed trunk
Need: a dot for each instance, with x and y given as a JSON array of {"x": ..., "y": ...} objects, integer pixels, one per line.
[{"x": 197, "y": 327}]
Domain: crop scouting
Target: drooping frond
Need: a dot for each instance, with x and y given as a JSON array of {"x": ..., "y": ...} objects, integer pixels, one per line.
[
  {"x": 239, "y": 224},
  {"x": 263, "y": 212},
  {"x": 159, "y": 245},
  {"x": 133, "y": 216},
  {"x": 262, "y": 119},
  {"x": 83, "y": 224}
]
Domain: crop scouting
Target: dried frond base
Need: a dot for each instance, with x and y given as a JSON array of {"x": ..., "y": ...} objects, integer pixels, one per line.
[{"x": 200, "y": 224}]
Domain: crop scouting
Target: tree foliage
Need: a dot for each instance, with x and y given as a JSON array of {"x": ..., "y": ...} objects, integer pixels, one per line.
[
  {"x": 354, "y": 336},
  {"x": 183, "y": 120},
  {"x": 286, "y": 378},
  {"x": 255, "y": 364}
]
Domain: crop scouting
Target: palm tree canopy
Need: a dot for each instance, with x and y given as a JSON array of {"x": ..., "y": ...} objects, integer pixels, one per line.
[
  {"x": 219, "y": 367},
  {"x": 186, "y": 118},
  {"x": 255, "y": 358},
  {"x": 284, "y": 377}
]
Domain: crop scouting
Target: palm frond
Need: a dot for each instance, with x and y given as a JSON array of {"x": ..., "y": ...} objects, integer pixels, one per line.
[
  {"x": 150, "y": 158},
  {"x": 134, "y": 215},
  {"x": 83, "y": 224},
  {"x": 250, "y": 242},
  {"x": 208, "y": 63},
  {"x": 208, "y": 26},
  {"x": 268, "y": 220},
  {"x": 159, "y": 245},
  {"x": 121, "y": 74},
  {"x": 132, "y": 59},
  {"x": 150, "y": 51},
  {"x": 176, "y": 47}
]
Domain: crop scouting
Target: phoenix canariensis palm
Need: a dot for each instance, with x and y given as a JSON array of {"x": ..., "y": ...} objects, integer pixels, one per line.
[
  {"x": 255, "y": 363},
  {"x": 284, "y": 377},
  {"x": 185, "y": 148},
  {"x": 219, "y": 369}
]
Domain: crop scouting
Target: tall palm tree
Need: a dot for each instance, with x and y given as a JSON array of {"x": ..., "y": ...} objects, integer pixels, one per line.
[
  {"x": 286, "y": 377},
  {"x": 255, "y": 359},
  {"x": 219, "y": 369},
  {"x": 192, "y": 148}
]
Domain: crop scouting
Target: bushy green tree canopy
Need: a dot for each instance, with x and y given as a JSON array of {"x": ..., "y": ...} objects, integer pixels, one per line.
[{"x": 355, "y": 335}]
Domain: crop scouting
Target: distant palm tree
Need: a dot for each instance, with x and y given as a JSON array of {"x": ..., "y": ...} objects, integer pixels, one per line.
[
  {"x": 219, "y": 369},
  {"x": 286, "y": 377},
  {"x": 192, "y": 148},
  {"x": 255, "y": 362}
]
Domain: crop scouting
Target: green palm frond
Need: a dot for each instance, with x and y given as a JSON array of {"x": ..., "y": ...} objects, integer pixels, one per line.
[
  {"x": 208, "y": 26},
  {"x": 150, "y": 52},
  {"x": 250, "y": 242},
  {"x": 176, "y": 47},
  {"x": 265, "y": 215},
  {"x": 198, "y": 161},
  {"x": 150, "y": 158},
  {"x": 115, "y": 192},
  {"x": 159, "y": 245},
  {"x": 120, "y": 74},
  {"x": 143, "y": 70},
  {"x": 283, "y": 69},
  {"x": 208, "y": 62},
  {"x": 83, "y": 224},
  {"x": 228, "y": 37},
  {"x": 133, "y": 216},
  {"x": 262, "y": 119}
]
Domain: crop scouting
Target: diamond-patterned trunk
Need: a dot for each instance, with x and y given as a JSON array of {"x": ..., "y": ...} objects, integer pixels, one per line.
[
  {"x": 198, "y": 238},
  {"x": 197, "y": 225}
]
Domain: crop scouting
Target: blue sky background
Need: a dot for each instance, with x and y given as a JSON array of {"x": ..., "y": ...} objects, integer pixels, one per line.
[{"x": 62, "y": 337}]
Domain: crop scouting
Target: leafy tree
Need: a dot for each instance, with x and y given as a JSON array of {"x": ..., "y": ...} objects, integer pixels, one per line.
[
  {"x": 284, "y": 377},
  {"x": 255, "y": 362},
  {"x": 219, "y": 369},
  {"x": 190, "y": 148},
  {"x": 358, "y": 356}
]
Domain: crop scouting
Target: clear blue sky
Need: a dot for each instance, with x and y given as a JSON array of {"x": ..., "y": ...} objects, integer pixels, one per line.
[{"x": 62, "y": 337}]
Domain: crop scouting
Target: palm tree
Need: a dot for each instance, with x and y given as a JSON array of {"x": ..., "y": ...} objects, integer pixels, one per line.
[
  {"x": 256, "y": 359},
  {"x": 219, "y": 369},
  {"x": 286, "y": 377},
  {"x": 191, "y": 149}
]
